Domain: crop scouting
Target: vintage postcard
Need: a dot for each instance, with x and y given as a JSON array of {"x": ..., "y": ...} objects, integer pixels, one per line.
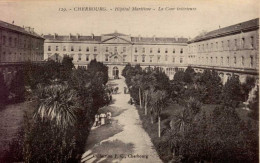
[{"x": 129, "y": 81}]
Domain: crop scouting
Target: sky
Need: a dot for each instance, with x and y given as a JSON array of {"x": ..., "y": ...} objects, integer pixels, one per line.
[{"x": 45, "y": 17}]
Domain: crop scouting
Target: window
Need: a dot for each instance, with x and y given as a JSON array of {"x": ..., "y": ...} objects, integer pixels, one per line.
[
  {"x": 211, "y": 59},
  {"x": 143, "y": 58},
  {"x": 235, "y": 60},
  {"x": 79, "y": 48},
  {"x": 243, "y": 42},
  {"x": 124, "y": 58},
  {"x": 173, "y": 51},
  {"x": 72, "y": 48},
  {"x": 228, "y": 43},
  {"x": 181, "y": 60},
  {"x": 87, "y": 57},
  {"x": 222, "y": 45},
  {"x": 181, "y": 51},
  {"x": 159, "y": 50},
  {"x": 106, "y": 58},
  {"x": 242, "y": 61},
  {"x": 166, "y": 58},
  {"x": 159, "y": 58},
  {"x": 252, "y": 41},
  {"x": 143, "y": 50},
  {"x": 135, "y": 58},
  {"x": 251, "y": 61},
  {"x": 10, "y": 41},
  {"x": 124, "y": 49},
  {"x": 227, "y": 60},
  {"x": 151, "y": 59},
  {"x": 87, "y": 49},
  {"x": 57, "y": 48},
  {"x": 173, "y": 59},
  {"x": 106, "y": 49},
  {"x": 4, "y": 40},
  {"x": 235, "y": 43},
  {"x": 151, "y": 50},
  {"x": 166, "y": 50},
  {"x": 49, "y": 48},
  {"x": 95, "y": 48},
  {"x": 64, "y": 48},
  {"x": 95, "y": 56},
  {"x": 216, "y": 60},
  {"x": 135, "y": 50},
  {"x": 15, "y": 42},
  {"x": 79, "y": 57}
]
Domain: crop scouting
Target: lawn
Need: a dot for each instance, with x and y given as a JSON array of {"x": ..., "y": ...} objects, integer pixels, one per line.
[{"x": 10, "y": 122}]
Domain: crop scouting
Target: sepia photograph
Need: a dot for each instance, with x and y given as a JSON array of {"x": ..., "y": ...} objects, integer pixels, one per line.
[{"x": 149, "y": 81}]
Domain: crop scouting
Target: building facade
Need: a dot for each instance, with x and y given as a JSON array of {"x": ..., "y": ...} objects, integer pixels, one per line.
[
  {"x": 232, "y": 50},
  {"x": 116, "y": 50},
  {"x": 17, "y": 45},
  {"x": 229, "y": 50}
]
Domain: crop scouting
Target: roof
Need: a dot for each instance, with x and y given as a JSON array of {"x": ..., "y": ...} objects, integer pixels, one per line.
[
  {"x": 244, "y": 26},
  {"x": 72, "y": 38},
  {"x": 18, "y": 29},
  {"x": 114, "y": 34},
  {"x": 98, "y": 39},
  {"x": 158, "y": 40}
]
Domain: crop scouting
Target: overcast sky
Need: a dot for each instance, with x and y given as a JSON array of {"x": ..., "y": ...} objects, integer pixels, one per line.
[{"x": 46, "y": 18}]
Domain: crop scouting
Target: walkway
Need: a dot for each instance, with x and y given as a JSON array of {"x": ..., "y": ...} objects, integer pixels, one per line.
[{"x": 124, "y": 140}]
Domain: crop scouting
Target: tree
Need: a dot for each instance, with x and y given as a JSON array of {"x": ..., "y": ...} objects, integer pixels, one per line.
[
  {"x": 17, "y": 86},
  {"x": 231, "y": 93},
  {"x": 57, "y": 103},
  {"x": 3, "y": 90},
  {"x": 254, "y": 106},
  {"x": 213, "y": 84},
  {"x": 66, "y": 68},
  {"x": 159, "y": 99}
]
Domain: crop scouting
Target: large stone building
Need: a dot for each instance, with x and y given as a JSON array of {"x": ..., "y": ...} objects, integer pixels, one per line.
[
  {"x": 229, "y": 50},
  {"x": 17, "y": 45},
  {"x": 116, "y": 50}
]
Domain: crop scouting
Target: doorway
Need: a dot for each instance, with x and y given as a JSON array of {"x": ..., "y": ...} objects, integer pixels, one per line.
[{"x": 115, "y": 73}]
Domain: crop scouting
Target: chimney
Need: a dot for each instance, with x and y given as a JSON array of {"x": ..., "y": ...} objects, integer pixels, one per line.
[
  {"x": 139, "y": 37},
  {"x": 78, "y": 36},
  {"x": 154, "y": 37},
  {"x": 27, "y": 29},
  {"x": 55, "y": 35},
  {"x": 92, "y": 36}
]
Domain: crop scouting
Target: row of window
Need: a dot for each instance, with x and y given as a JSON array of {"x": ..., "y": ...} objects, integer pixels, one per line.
[
  {"x": 143, "y": 59},
  {"x": 107, "y": 49},
  {"x": 216, "y": 61},
  {"x": 13, "y": 42},
  {"x": 158, "y": 50},
  {"x": 124, "y": 58},
  {"x": 215, "y": 46},
  {"x": 11, "y": 57}
]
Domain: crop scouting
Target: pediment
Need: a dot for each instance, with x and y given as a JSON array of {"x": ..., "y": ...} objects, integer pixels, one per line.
[{"x": 116, "y": 40}]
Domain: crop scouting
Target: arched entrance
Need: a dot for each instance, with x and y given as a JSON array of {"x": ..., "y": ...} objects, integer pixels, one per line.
[{"x": 115, "y": 72}]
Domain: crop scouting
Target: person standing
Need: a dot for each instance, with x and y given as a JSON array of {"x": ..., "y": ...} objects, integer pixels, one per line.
[
  {"x": 109, "y": 116},
  {"x": 96, "y": 120},
  {"x": 103, "y": 118}
]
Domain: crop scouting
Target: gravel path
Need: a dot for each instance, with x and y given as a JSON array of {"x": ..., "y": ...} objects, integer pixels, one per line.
[{"x": 132, "y": 144}]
